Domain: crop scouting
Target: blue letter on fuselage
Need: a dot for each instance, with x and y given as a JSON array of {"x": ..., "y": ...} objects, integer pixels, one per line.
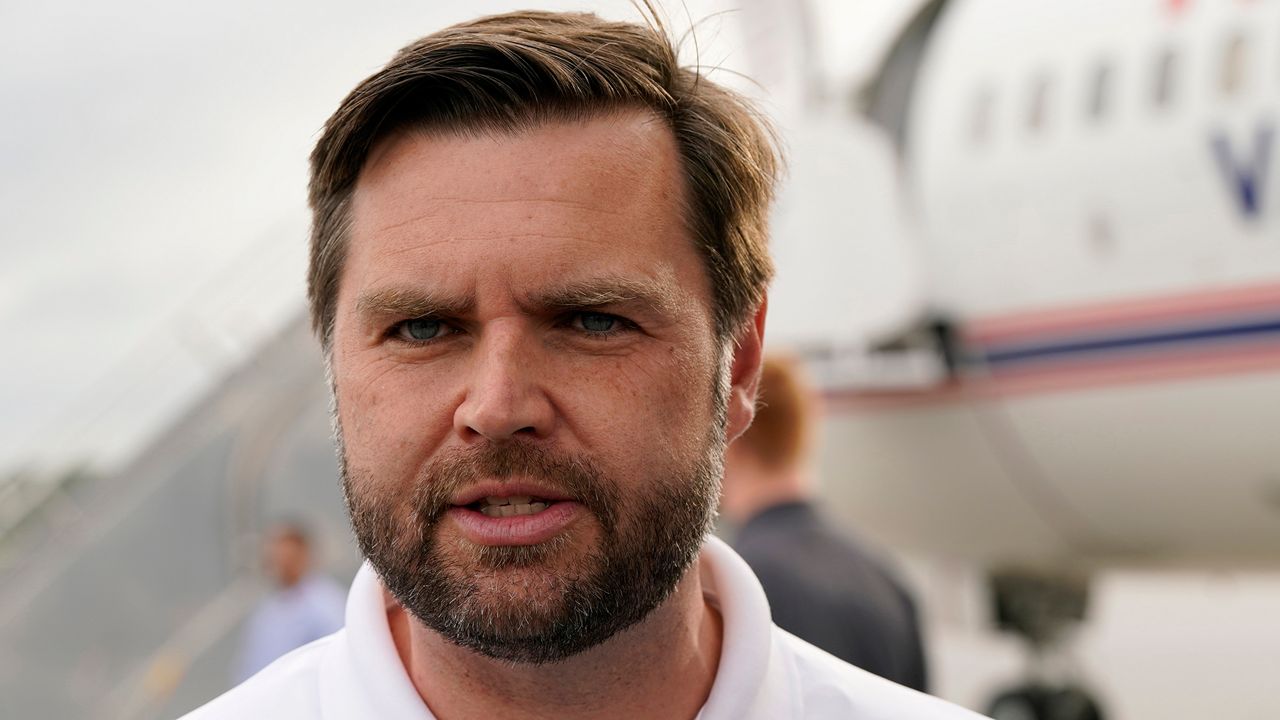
[{"x": 1245, "y": 179}]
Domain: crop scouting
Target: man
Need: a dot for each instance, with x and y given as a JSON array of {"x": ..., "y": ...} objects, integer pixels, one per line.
[
  {"x": 821, "y": 586},
  {"x": 538, "y": 272},
  {"x": 304, "y": 605}
]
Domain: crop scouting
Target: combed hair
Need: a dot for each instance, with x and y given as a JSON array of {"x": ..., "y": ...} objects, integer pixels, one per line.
[
  {"x": 781, "y": 432},
  {"x": 505, "y": 73}
]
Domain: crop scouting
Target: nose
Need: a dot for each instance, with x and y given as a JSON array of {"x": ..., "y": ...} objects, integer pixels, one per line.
[{"x": 505, "y": 396}]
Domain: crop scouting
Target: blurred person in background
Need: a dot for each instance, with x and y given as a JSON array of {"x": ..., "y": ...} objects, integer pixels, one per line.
[
  {"x": 303, "y": 605},
  {"x": 822, "y": 585}
]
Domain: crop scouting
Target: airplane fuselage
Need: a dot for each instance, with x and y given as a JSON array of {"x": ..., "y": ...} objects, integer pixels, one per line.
[{"x": 1094, "y": 186}]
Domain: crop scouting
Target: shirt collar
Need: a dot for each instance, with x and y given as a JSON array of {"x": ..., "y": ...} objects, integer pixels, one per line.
[
  {"x": 750, "y": 682},
  {"x": 363, "y": 676}
]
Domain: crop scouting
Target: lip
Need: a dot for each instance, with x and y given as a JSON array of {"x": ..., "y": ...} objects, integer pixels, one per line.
[
  {"x": 493, "y": 488},
  {"x": 517, "y": 529}
]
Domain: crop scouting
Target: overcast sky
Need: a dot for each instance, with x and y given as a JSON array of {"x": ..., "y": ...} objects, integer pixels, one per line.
[{"x": 152, "y": 175}]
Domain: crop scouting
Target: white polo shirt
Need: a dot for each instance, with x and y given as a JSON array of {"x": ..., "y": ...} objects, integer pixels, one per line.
[{"x": 764, "y": 674}]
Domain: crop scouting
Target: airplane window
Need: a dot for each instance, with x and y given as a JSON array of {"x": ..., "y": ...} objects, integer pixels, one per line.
[
  {"x": 980, "y": 127},
  {"x": 1234, "y": 58},
  {"x": 1166, "y": 78},
  {"x": 1038, "y": 110},
  {"x": 1100, "y": 91}
]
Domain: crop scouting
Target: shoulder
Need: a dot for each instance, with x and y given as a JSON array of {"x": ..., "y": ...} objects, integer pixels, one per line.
[
  {"x": 827, "y": 687},
  {"x": 287, "y": 689},
  {"x": 323, "y": 593},
  {"x": 319, "y": 587}
]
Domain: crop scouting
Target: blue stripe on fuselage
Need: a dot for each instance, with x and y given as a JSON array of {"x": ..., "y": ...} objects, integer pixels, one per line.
[{"x": 1029, "y": 352}]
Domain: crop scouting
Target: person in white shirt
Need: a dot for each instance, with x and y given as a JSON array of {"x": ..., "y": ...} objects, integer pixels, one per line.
[
  {"x": 303, "y": 605},
  {"x": 538, "y": 274}
]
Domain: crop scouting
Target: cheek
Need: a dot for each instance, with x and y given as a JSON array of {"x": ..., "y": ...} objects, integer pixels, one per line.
[
  {"x": 657, "y": 414},
  {"x": 389, "y": 417}
]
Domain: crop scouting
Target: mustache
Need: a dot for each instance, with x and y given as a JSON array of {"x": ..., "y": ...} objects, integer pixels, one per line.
[{"x": 573, "y": 476}]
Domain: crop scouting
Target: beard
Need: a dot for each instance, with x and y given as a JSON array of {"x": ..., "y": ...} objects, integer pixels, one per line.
[{"x": 546, "y": 602}]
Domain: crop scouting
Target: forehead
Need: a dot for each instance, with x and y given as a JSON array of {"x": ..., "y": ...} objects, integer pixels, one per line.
[
  {"x": 621, "y": 145},
  {"x": 563, "y": 197}
]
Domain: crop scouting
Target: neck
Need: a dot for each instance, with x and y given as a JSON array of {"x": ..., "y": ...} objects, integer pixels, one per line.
[
  {"x": 755, "y": 489},
  {"x": 289, "y": 581},
  {"x": 664, "y": 666}
]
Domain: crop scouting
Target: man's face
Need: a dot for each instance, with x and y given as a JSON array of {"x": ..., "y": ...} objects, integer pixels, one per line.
[
  {"x": 529, "y": 391},
  {"x": 286, "y": 558}
]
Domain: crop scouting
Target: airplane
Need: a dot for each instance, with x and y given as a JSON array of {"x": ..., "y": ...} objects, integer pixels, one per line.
[{"x": 1086, "y": 372}]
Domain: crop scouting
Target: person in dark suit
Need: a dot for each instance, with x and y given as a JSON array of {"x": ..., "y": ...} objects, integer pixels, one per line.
[{"x": 823, "y": 586}]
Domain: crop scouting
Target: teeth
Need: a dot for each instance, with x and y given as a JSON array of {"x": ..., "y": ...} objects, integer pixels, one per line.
[
  {"x": 509, "y": 500},
  {"x": 513, "y": 509}
]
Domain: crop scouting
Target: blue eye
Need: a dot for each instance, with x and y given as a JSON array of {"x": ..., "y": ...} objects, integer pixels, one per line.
[
  {"x": 422, "y": 329},
  {"x": 598, "y": 322}
]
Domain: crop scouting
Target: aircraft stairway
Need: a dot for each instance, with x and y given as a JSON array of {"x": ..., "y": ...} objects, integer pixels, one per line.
[{"x": 128, "y": 591}]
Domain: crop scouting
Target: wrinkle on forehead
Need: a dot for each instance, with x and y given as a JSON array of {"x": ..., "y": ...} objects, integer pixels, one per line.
[
  {"x": 487, "y": 202},
  {"x": 426, "y": 243}
]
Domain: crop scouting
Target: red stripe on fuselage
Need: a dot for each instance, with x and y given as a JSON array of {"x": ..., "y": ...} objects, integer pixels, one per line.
[
  {"x": 1142, "y": 368},
  {"x": 1117, "y": 315}
]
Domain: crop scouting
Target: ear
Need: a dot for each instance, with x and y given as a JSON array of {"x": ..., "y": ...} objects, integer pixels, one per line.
[{"x": 744, "y": 373}]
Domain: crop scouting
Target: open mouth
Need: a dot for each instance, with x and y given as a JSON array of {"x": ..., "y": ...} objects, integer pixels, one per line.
[{"x": 511, "y": 506}]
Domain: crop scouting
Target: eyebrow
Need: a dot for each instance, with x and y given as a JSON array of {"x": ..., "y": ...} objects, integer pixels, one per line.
[
  {"x": 412, "y": 303},
  {"x": 597, "y": 292}
]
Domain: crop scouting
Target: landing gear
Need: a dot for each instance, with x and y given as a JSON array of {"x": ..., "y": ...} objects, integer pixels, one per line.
[
  {"x": 1041, "y": 702},
  {"x": 1040, "y": 609}
]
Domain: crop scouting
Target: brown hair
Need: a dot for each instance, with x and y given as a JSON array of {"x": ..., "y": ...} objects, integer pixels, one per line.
[
  {"x": 781, "y": 432},
  {"x": 509, "y": 72}
]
